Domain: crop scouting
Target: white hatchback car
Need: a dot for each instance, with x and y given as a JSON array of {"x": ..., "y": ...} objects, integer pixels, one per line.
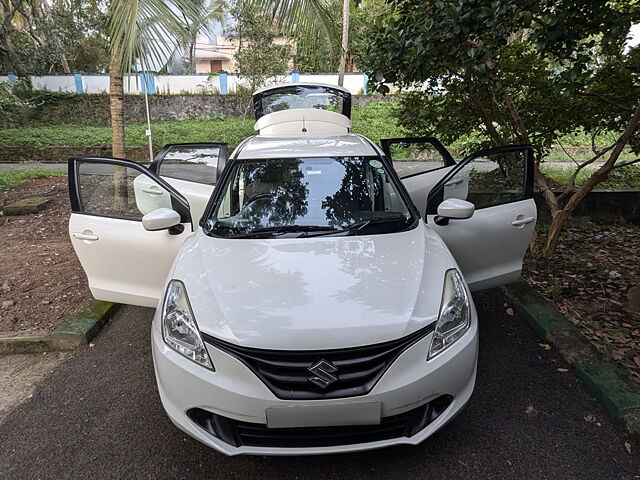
[{"x": 313, "y": 301}]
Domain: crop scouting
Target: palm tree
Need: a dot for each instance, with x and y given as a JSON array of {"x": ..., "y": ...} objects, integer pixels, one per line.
[
  {"x": 142, "y": 34},
  {"x": 303, "y": 18},
  {"x": 312, "y": 18},
  {"x": 215, "y": 13}
]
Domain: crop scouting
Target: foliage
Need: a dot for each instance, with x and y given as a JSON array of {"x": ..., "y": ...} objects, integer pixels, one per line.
[
  {"x": 626, "y": 178},
  {"x": 144, "y": 34},
  {"x": 378, "y": 120},
  {"x": 473, "y": 68},
  {"x": 15, "y": 176},
  {"x": 317, "y": 53},
  {"x": 55, "y": 37},
  {"x": 257, "y": 57},
  {"x": 312, "y": 23},
  {"x": 374, "y": 121},
  {"x": 514, "y": 71},
  {"x": 12, "y": 100}
]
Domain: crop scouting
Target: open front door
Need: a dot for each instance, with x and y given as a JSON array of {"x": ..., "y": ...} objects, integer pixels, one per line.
[
  {"x": 193, "y": 169},
  {"x": 420, "y": 162},
  {"x": 123, "y": 262},
  {"x": 490, "y": 245}
]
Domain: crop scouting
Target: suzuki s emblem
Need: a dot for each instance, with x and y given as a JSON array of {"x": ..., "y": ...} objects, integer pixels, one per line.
[{"x": 322, "y": 373}]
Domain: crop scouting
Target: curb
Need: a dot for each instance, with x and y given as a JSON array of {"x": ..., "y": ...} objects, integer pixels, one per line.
[
  {"x": 619, "y": 394},
  {"x": 76, "y": 331}
]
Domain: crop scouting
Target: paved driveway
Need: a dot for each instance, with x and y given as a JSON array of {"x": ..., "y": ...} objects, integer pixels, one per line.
[{"x": 99, "y": 416}]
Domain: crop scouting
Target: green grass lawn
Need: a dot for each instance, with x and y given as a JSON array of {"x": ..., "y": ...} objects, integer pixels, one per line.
[
  {"x": 16, "y": 176},
  {"x": 375, "y": 121},
  {"x": 619, "y": 179}
]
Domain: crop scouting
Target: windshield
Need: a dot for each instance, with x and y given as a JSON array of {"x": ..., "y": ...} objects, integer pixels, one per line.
[{"x": 297, "y": 196}]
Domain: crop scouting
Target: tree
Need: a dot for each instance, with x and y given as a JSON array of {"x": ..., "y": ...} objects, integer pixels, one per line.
[
  {"x": 257, "y": 57},
  {"x": 214, "y": 14},
  {"x": 11, "y": 100},
  {"x": 514, "y": 71},
  {"x": 344, "y": 46},
  {"x": 320, "y": 31},
  {"x": 310, "y": 22},
  {"x": 10, "y": 17},
  {"x": 142, "y": 35},
  {"x": 53, "y": 37}
]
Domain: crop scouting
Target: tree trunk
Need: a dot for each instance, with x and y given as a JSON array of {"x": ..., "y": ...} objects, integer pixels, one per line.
[
  {"x": 7, "y": 47},
  {"x": 64, "y": 63},
  {"x": 116, "y": 104},
  {"x": 560, "y": 217},
  {"x": 345, "y": 42}
]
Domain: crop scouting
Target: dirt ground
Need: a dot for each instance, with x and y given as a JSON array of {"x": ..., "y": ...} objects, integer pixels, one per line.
[
  {"x": 588, "y": 280},
  {"x": 41, "y": 280}
]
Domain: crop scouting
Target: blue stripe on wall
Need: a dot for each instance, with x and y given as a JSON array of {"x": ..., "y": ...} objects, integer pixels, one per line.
[
  {"x": 147, "y": 83},
  {"x": 79, "y": 85},
  {"x": 223, "y": 83}
]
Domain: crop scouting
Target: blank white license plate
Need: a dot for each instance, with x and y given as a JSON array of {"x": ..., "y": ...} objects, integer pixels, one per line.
[{"x": 325, "y": 415}]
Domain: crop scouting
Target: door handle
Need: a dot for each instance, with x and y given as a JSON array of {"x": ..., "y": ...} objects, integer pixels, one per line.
[
  {"x": 522, "y": 221},
  {"x": 453, "y": 182},
  {"x": 152, "y": 191},
  {"x": 85, "y": 236}
]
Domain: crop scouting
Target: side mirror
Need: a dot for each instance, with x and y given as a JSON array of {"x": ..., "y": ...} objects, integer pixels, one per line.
[
  {"x": 454, "y": 208},
  {"x": 163, "y": 219}
]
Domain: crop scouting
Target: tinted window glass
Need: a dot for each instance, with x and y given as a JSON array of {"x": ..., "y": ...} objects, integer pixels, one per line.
[
  {"x": 191, "y": 163},
  {"x": 305, "y": 192},
  {"x": 417, "y": 157},
  {"x": 117, "y": 191},
  {"x": 490, "y": 180},
  {"x": 295, "y": 97}
]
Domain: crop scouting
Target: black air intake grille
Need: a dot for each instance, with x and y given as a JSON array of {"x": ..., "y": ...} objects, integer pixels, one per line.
[
  {"x": 238, "y": 433},
  {"x": 356, "y": 369}
]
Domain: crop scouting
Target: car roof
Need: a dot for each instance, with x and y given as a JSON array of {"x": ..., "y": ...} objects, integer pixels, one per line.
[{"x": 348, "y": 145}]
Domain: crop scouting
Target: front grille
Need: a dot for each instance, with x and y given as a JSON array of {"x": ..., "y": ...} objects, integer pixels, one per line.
[
  {"x": 286, "y": 373},
  {"x": 238, "y": 433}
]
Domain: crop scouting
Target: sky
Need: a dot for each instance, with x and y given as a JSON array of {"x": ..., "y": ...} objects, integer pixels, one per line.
[{"x": 634, "y": 37}]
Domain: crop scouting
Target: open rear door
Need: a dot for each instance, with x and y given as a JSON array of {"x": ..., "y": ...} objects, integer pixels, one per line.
[
  {"x": 420, "y": 162},
  {"x": 193, "y": 169}
]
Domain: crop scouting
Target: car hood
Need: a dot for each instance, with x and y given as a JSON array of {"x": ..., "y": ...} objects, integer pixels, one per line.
[{"x": 314, "y": 293}]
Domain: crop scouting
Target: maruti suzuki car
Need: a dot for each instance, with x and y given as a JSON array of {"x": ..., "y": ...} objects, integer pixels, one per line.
[{"x": 309, "y": 299}]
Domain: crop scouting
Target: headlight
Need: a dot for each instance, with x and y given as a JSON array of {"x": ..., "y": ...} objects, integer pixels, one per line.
[
  {"x": 455, "y": 314},
  {"x": 179, "y": 328}
]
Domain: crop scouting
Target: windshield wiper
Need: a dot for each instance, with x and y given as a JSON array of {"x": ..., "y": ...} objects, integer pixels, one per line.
[
  {"x": 283, "y": 229},
  {"x": 359, "y": 226}
]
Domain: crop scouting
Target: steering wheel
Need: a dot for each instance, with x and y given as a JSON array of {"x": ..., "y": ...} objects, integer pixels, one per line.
[{"x": 255, "y": 198}]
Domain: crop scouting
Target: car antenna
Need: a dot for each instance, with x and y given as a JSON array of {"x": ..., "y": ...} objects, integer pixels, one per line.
[{"x": 304, "y": 128}]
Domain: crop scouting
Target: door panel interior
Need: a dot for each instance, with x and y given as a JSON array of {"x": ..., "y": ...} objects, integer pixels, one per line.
[
  {"x": 123, "y": 262},
  {"x": 420, "y": 184},
  {"x": 197, "y": 194}
]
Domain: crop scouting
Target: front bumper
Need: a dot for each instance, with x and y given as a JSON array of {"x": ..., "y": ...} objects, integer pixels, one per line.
[{"x": 234, "y": 393}]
